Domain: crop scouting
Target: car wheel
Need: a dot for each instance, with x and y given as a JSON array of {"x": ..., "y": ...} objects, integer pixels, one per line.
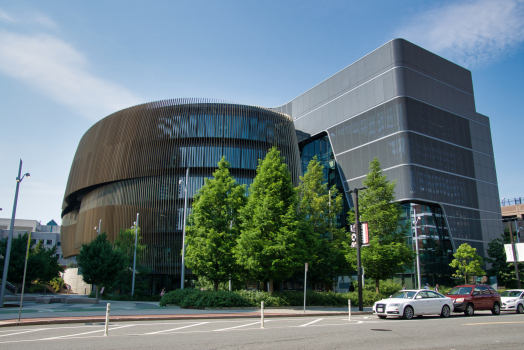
[
  {"x": 520, "y": 309},
  {"x": 382, "y": 317},
  {"x": 496, "y": 309},
  {"x": 408, "y": 313},
  {"x": 445, "y": 311},
  {"x": 470, "y": 310}
]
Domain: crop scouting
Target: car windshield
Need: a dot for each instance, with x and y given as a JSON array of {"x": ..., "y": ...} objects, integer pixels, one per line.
[
  {"x": 460, "y": 291},
  {"x": 404, "y": 294},
  {"x": 510, "y": 293}
]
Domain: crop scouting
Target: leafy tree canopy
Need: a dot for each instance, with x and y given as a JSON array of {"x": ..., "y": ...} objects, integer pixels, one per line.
[
  {"x": 388, "y": 252},
  {"x": 270, "y": 246},
  {"x": 466, "y": 262},
  {"x": 318, "y": 210},
  {"x": 214, "y": 227},
  {"x": 99, "y": 262},
  {"x": 504, "y": 271},
  {"x": 36, "y": 263}
]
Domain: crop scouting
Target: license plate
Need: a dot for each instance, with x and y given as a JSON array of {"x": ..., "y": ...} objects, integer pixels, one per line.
[{"x": 380, "y": 309}]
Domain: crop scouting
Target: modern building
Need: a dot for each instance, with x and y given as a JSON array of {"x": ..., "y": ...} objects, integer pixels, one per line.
[
  {"x": 134, "y": 160},
  {"x": 412, "y": 109},
  {"x": 49, "y": 234}
]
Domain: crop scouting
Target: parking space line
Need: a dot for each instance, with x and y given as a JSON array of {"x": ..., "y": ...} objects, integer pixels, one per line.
[
  {"x": 307, "y": 324},
  {"x": 176, "y": 329},
  {"x": 483, "y": 323},
  {"x": 74, "y": 335},
  {"x": 34, "y": 330},
  {"x": 244, "y": 325}
]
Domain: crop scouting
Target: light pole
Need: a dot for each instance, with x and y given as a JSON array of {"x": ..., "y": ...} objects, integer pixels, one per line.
[
  {"x": 183, "y": 275},
  {"x": 134, "y": 258},
  {"x": 359, "y": 247},
  {"x": 514, "y": 253},
  {"x": 10, "y": 237},
  {"x": 416, "y": 246},
  {"x": 99, "y": 228}
]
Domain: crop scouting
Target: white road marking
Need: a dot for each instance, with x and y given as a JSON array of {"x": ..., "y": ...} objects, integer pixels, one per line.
[
  {"x": 34, "y": 330},
  {"x": 244, "y": 325},
  {"x": 360, "y": 322},
  {"x": 307, "y": 324},
  {"x": 176, "y": 329},
  {"x": 74, "y": 335}
]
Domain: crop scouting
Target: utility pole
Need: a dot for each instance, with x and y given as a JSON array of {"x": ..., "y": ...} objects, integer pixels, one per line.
[
  {"x": 514, "y": 254},
  {"x": 359, "y": 246}
]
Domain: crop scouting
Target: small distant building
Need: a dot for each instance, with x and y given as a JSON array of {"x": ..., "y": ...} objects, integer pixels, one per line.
[{"x": 49, "y": 234}]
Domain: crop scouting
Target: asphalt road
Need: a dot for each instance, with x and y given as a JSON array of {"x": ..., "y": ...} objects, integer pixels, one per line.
[{"x": 482, "y": 331}]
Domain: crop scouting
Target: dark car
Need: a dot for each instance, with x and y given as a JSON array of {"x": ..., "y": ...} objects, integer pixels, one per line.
[{"x": 470, "y": 297}]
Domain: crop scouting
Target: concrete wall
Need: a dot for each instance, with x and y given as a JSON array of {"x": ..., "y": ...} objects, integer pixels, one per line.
[{"x": 72, "y": 278}]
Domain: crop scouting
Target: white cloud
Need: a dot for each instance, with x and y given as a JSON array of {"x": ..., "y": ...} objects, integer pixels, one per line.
[
  {"x": 471, "y": 33},
  {"x": 56, "y": 69},
  {"x": 30, "y": 18},
  {"x": 5, "y": 17}
]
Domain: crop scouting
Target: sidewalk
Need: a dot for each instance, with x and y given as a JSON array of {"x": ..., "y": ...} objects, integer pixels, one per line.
[{"x": 35, "y": 314}]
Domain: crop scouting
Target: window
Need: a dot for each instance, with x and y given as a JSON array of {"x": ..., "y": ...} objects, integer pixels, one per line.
[
  {"x": 57, "y": 255},
  {"x": 59, "y": 243},
  {"x": 49, "y": 241}
]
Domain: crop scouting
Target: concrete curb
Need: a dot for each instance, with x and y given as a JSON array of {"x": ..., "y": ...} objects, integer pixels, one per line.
[{"x": 92, "y": 319}]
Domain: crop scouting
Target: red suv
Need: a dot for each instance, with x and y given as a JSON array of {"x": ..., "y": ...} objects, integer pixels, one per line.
[{"x": 470, "y": 297}]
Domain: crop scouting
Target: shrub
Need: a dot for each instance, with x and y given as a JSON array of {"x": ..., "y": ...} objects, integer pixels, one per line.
[
  {"x": 175, "y": 297},
  {"x": 57, "y": 284},
  {"x": 388, "y": 287},
  {"x": 214, "y": 299},
  {"x": 368, "y": 297}
]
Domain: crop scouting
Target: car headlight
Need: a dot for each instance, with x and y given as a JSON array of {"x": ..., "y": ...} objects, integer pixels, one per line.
[
  {"x": 394, "y": 305},
  {"x": 459, "y": 300},
  {"x": 511, "y": 301}
]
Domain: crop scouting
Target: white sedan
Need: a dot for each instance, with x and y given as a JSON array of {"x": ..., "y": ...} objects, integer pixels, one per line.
[
  {"x": 512, "y": 300},
  {"x": 409, "y": 303}
]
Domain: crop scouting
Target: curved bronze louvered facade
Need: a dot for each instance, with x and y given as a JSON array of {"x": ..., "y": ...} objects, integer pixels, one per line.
[{"x": 131, "y": 162}]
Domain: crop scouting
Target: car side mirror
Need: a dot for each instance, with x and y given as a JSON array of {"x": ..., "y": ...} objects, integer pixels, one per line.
[{"x": 390, "y": 296}]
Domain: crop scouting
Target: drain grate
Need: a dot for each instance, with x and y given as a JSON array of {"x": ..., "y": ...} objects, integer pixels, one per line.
[{"x": 382, "y": 330}]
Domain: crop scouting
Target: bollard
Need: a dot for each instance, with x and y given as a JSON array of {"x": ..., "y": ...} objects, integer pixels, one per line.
[
  {"x": 349, "y": 308},
  {"x": 262, "y": 315},
  {"x": 107, "y": 317}
]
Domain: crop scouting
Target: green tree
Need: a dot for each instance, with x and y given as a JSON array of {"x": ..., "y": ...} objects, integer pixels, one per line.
[
  {"x": 99, "y": 262},
  {"x": 466, "y": 262},
  {"x": 270, "y": 246},
  {"x": 318, "y": 209},
  {"x": 388, "y": 252},
  {"x": 125, "y": 244},
  {"x": 504, "y": 271},
  {"x": 214, "y": 227},
  {"x": 48, "y": 260},
  {"x": 15, "y": 273}
]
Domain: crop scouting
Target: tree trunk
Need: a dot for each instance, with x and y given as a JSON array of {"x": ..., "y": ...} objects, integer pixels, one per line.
[
  {"x": 377, "y": 284},
  {"x": 271, "y": 289},
  {"x": 264, "y": 286},
  {"x": 96, "y": 291},
  {"x": 215, "y": 283}
]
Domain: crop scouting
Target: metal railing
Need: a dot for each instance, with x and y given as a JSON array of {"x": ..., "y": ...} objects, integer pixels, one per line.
[{"x": 511, "y": 201}]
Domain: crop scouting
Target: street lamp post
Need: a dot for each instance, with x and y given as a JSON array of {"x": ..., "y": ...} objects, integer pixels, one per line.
[
  {"x": 514, "y": 254},
  {"x": 416, "y": 247},
  {"x": 10, "y": 237},
  {"x": 183, "y": 274},
  {"x": 134, "y": 257},
  {"x": 359, "y": 246}
]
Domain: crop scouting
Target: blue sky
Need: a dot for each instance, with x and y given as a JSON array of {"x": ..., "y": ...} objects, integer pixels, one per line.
[{"x": 67, "y": 64}]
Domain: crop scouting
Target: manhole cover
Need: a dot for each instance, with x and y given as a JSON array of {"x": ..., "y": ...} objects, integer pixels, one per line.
[{"x": 382, "y": 330}]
